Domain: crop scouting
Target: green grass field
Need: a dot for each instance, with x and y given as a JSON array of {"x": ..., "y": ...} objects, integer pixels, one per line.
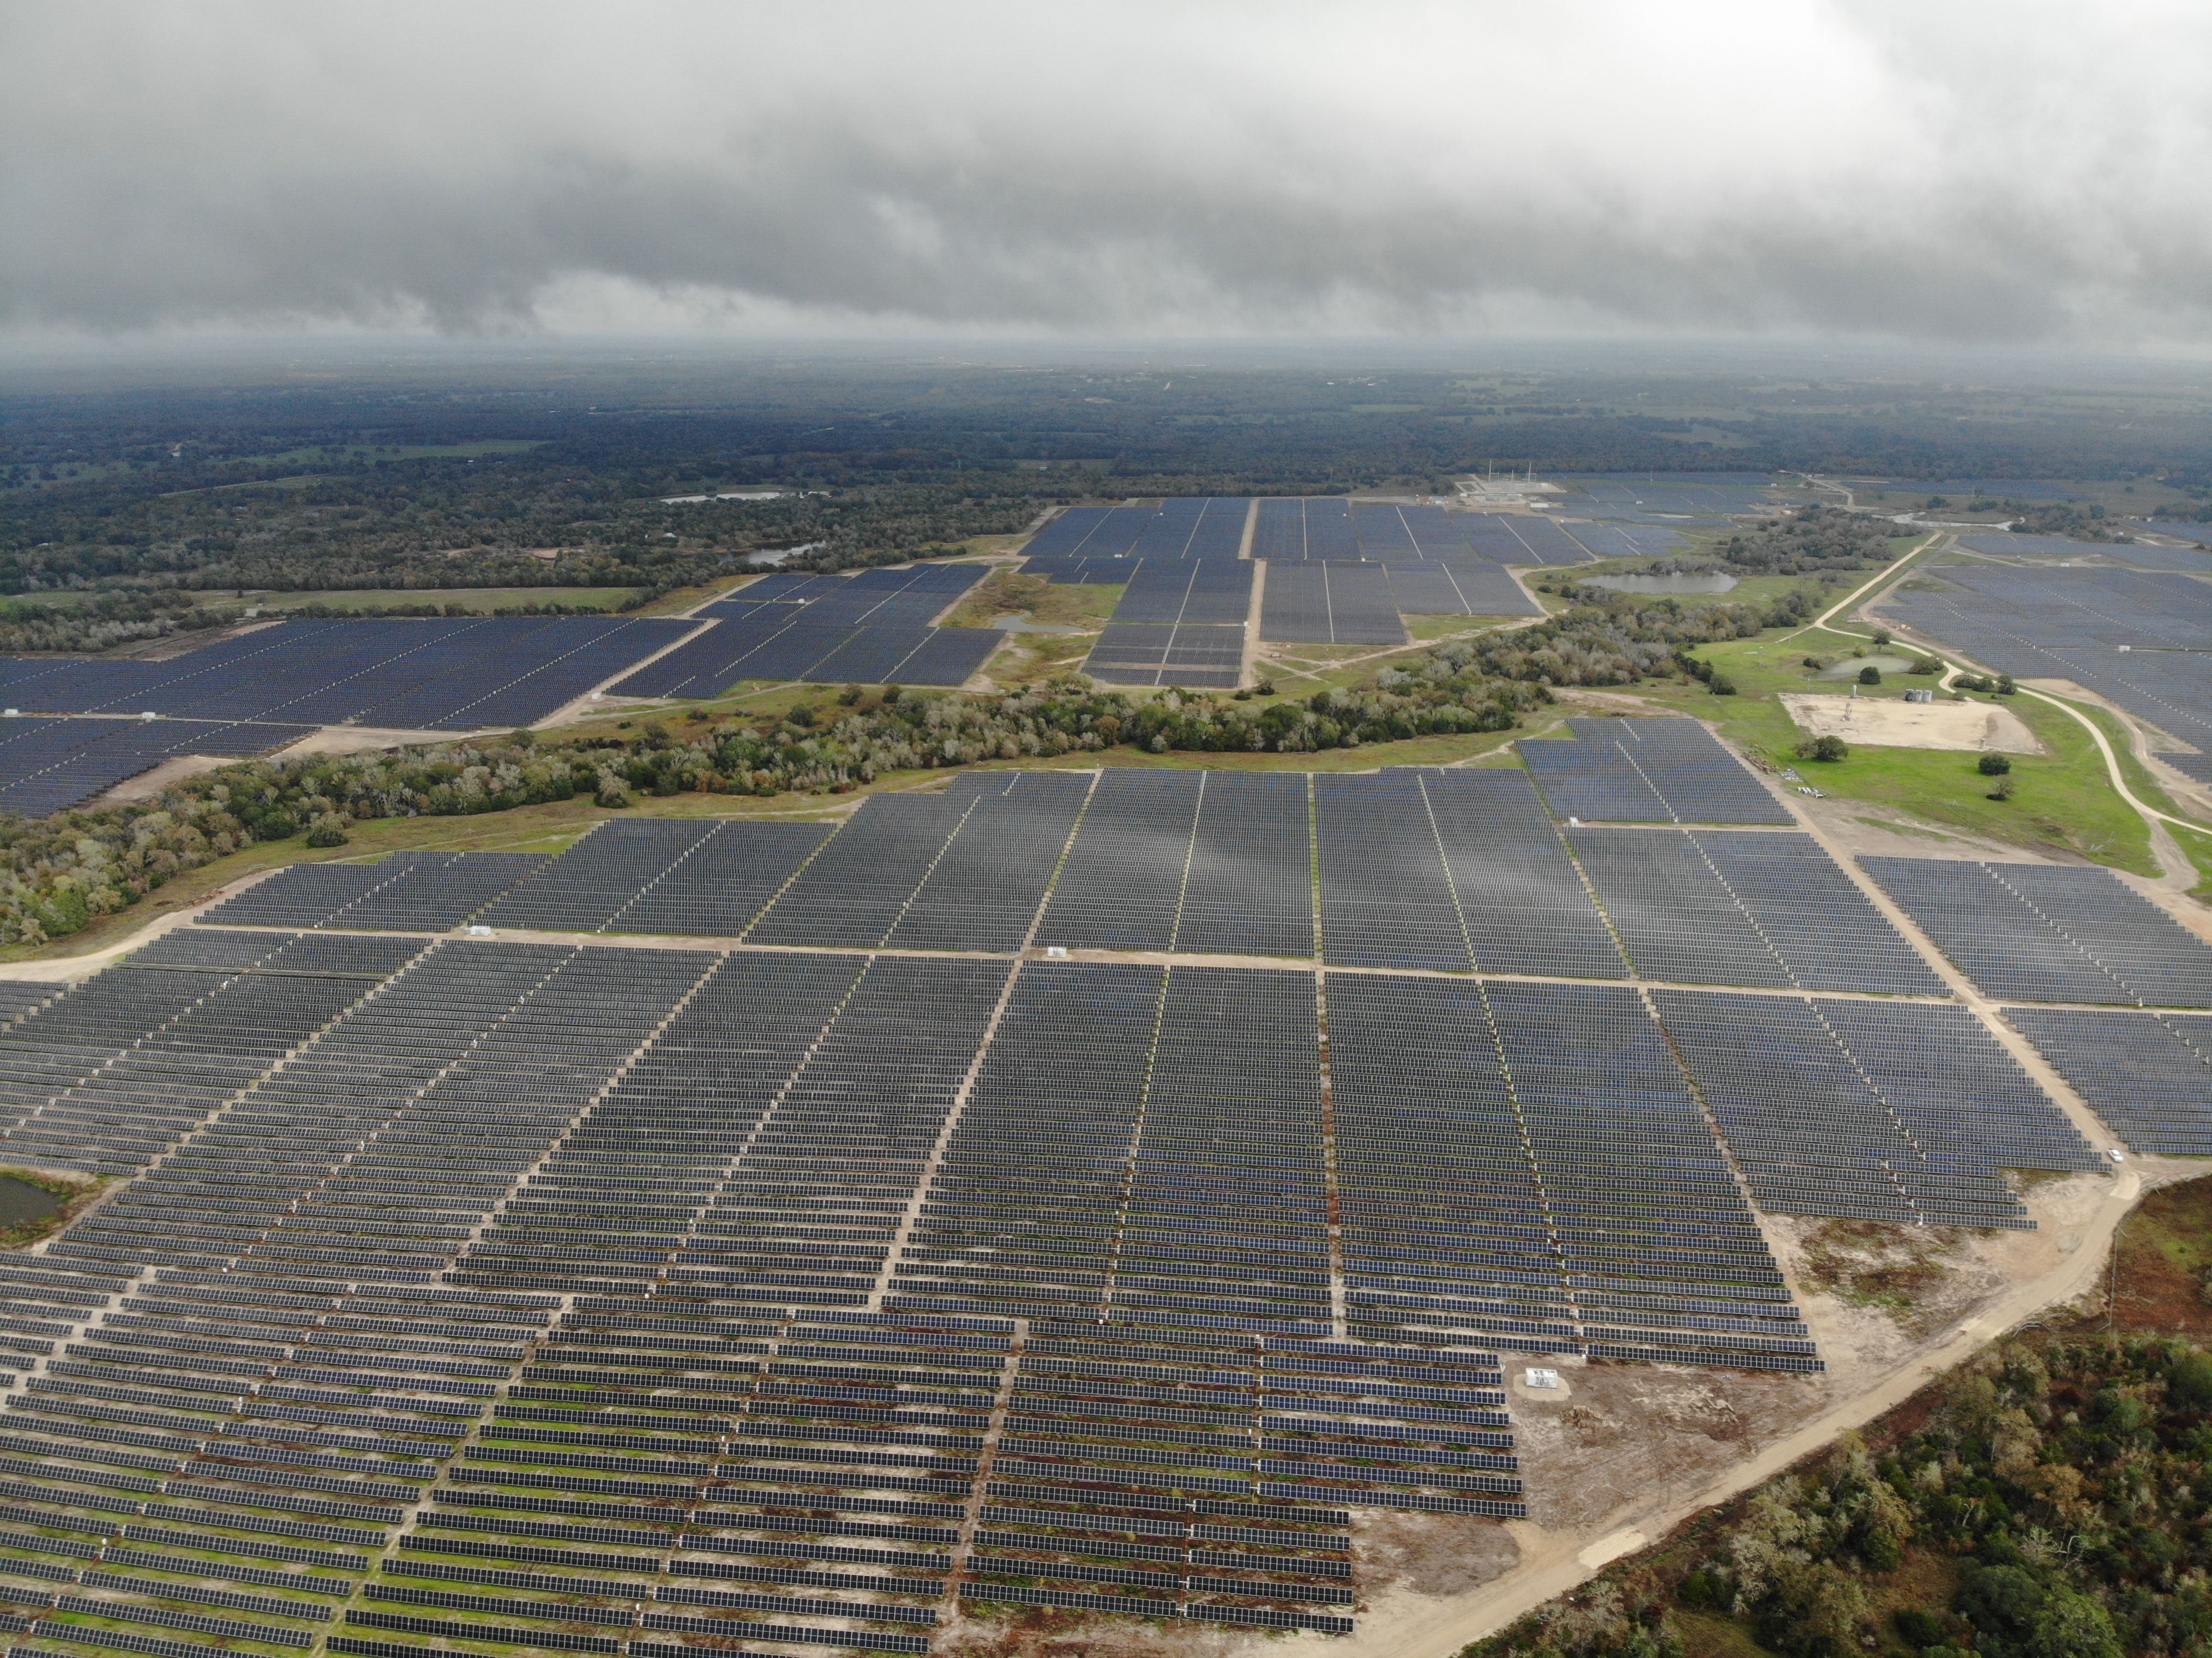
[{"x": 2062, "y": 800}]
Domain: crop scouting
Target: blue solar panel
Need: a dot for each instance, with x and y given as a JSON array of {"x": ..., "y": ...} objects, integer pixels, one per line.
[
  {"x": 49, "y": 764},
  {"x": 456, "y": 674}
]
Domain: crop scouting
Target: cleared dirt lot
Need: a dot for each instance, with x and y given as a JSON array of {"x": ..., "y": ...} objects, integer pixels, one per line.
[{"x": 1886, "y": 722}]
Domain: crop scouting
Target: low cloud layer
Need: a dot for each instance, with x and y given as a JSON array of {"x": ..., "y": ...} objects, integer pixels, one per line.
[{"x": 2000, "y": 170}]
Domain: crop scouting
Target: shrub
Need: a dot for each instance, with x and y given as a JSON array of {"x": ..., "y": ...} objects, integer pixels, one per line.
[
  {"x": 2002, "y": 791},
  {"x": 1720, "y": 684},
  {"x": 1829, "y": 748},
  {"x": 1994, "y": 765},
  {"x": 1882, "y": 636},
  {"x": 1869, "y": 675},
  {"x": 327, "y": 834},
  {"x": 2189, "y": 1382}
]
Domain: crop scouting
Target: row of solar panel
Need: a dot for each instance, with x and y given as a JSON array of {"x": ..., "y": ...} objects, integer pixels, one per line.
[
  {"x": 114, "y": 1073},
  {"x": 1654, "y": 770},
  {"x": 1181, "y": 527},
  {"x": 176, "y": 1238},
  {"x": 453, "y": 674},
  {"x": 2049, "y": 932},
  {"x": 1449, "y": 869},
  {"x": 1178, "y": 623},
  {"x": 49, "y": 764},
  {"x": 871, "y": 628}
]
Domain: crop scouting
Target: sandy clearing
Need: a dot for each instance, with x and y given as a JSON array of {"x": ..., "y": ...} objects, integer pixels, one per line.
[{"x": 1884, "y": 722}]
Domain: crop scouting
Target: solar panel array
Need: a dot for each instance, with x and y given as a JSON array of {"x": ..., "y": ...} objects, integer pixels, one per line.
[
  {"x": 1647, "y": 771},
  {"x": 705, "y": 875},
  {"x": 1455, "y": 586},
  {"x": 870, "y": 629},
  {"x": 1524, "y": 539},
  {"x": 344, "y": 1345},
  {"x": 48, "y": 765},
  {"x": 1746, "y": 907},
  {"x": 1322, "y": 603},
  {"x": 1659, "y": 497},
  {"x": 1322, "y": 527},
  {"x": 19, "y": 996},
  {"x": 1872, "y": 1111},
  {"x": 2141, "y": 555},
  {"x": 1342, "y": 571},
  {"x": 2198, "y": 766},
  {"x": 2046, "y": 932},
  {"x": 109, "y": 1075},
  {"x": 453, "y": 674},
  {"x": 2149, "y": 1075},
  {"x": 2133, "y": 636},
  {"x": 614, "y": 1298},
  {"x": 406, "y": 892},
  {"x": 1524, "y": 1163},
  {"x": 1189, "y": 526},
  {"x": 1626, "y": 540},
  {"x": 1451, "y": 870},
  {"x": 1179, "y": 623}
]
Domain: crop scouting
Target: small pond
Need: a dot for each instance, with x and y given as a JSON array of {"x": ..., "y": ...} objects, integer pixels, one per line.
[
  {"x": 1719, "y": 581},
  {"x": 21, "y": 1202},
  {"x": 777, "y": 555},
  {"x": 1849, "y": 666}
]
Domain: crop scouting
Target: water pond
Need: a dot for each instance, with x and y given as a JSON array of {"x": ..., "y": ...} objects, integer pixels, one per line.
[
  {"x": 21, "y": 1202},
  {"x": 1718, "y": 581}
]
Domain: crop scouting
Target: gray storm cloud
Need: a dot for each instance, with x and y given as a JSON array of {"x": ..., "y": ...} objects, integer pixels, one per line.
[{"x": 2020, "y": 170}]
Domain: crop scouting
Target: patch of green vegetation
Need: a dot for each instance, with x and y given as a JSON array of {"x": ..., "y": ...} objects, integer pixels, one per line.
[
  {"x": 2063, "y": 800},
  {"x": 1427, "y": 628},
  {"x": 1891, "y": 1270},
  {"x": 74, "y": 1193},
  {"x": 1059, "y": 604},
  {"x": 481, "y": 599}
]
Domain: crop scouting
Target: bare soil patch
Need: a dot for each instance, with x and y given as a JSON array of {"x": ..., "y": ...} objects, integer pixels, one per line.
[
  {"x": 1628, "y": 1432},
  {"x": 1890, "y": 723},
  {"x": 1430, "y": 1554},
  {"x": 1041, "y": 1632}
]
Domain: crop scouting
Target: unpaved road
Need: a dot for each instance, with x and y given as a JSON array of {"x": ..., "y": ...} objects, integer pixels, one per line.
[{"x": 1413, "y": 1628}]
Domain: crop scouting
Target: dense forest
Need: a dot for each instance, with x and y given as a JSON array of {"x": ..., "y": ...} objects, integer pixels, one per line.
[
  {"x": 2051, "y": 1502},
  {"x": 1818, "y": 537},
  {"x": 435, "y": 479}
]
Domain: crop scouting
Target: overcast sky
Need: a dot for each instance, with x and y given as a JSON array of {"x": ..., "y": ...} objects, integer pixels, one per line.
[{"x": 2016, "y": 171}]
